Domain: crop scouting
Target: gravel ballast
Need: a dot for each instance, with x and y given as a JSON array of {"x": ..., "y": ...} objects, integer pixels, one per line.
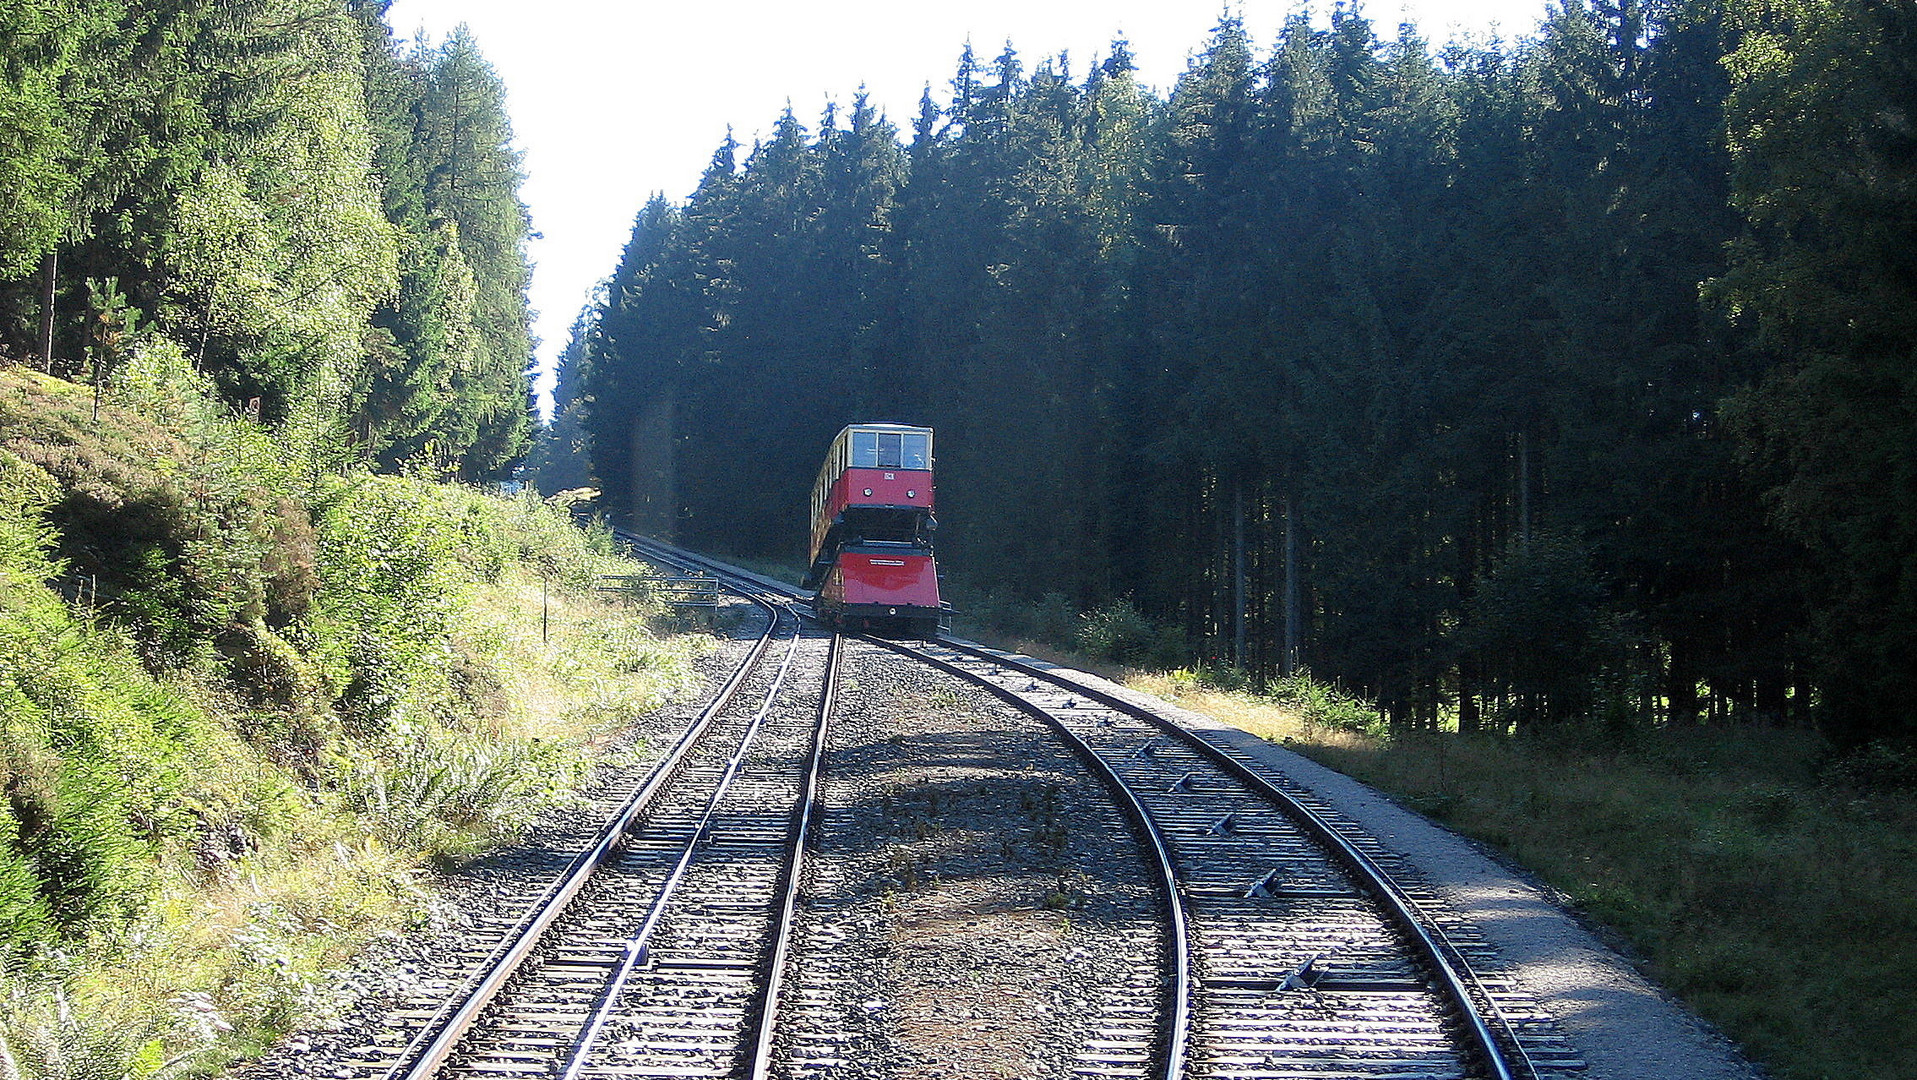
[
  {"x": 1624, "y": 1026},
  {"x": 932, "y": 908},
  {"x": 976, "y": 898}
]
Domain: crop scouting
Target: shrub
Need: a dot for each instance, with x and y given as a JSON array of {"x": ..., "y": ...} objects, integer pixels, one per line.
[
  {"x": 1115, "y": 631},
  {"x": 1877, "y": 767},
  {"x": 386, "y": 597},
  {"x": 449, "y": 796},
  {"x": 181, "y": 535},
  {"x": 1119, "y": 633},
  {"x": 1323, "y": 703},
  {"x": 100, "y": 763},
  {"x": 1053, "y": 619}
]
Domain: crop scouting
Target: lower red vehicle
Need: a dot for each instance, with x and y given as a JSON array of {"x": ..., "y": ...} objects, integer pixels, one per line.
[{"x": 882, "y": 587}]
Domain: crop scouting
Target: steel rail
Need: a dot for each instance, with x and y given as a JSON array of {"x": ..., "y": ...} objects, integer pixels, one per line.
[
  {"x": 743, "y": 582},
  {"x": 795, "y": 866},
  {"x": 1455, "y": 974},
  {"x": 639, "y": 946},
  {"x": 435, "y": 1043},
  {"x": 1426, "y": 936},
  {"x": 1180, "y": 992}
]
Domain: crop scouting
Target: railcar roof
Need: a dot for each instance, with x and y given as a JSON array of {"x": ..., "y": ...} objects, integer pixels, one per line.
[{"x": 880, "y": 425}]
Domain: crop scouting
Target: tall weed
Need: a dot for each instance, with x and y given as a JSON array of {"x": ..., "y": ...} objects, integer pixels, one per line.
[
  {"x": 450, "y": 796},
  {"x": 47, "y": 1036},
  {"x": 269, "y": 693},
  {"x": 1323, "y": 704}
]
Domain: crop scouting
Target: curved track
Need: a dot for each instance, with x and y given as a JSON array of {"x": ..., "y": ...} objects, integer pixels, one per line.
[
  {"x": 651, "y": 955},
  {"x": 1297, "y": 954},
  {"x": 1309, "y": 960},
  {"x": 665, "y": 949}
]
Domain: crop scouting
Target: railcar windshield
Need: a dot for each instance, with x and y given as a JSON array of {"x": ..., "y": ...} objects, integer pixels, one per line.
[{"x": 891, "y": 450}]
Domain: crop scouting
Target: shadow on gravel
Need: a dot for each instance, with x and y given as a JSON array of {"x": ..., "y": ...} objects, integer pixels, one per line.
[{"x": 981, "y": 803}]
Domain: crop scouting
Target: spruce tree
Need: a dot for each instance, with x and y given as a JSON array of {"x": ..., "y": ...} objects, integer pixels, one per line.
[
  {"x": 1823, "y": 164},
  {"x": 472, "y": 185}
]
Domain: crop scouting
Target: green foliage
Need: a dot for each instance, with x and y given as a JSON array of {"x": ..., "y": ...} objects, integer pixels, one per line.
[
  {"x": 1540, "y": 622},
  {"x": 327, "y": 224},
  {"x": 1302, "y": 698},
  {"x": 1822, "y": 167},
  {"x": 560, "y": 459},
  {"x": 475, "y": 289},
  {"x": 1883, "y": 767},
  {"x": 453, "y": 795},
  {"x": 242, "y": 703},
  {"x": 25, "y": 491},
  {"x": 38, "y": 38},
  {"x": 96, "y": 756},
  {"x": 1335, "y": 326},
  {"x": 1321, "y": 703},
  {"x": 187, "y": 545},
  {"x": 1053, "y": 618},
  {"x": 388, "y": 593},
  {"x": 46, "y": 1037},
  {"x": 1756, "y": 883},
  {"x": 1117, "y": 632}
]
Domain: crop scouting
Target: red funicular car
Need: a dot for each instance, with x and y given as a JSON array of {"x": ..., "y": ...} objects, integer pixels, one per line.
[{"x": 872, "y": 526}]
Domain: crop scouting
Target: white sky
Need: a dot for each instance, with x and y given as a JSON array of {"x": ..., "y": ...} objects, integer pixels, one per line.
[{"x": 612, "y": 101}]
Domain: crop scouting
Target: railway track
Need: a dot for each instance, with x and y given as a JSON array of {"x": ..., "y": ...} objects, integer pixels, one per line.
[
  {"x": 665, "y": 950},
  {"x": 1306, "y": 958},
  {"x": 666, "y": 967},
  {"x": 1296, "y": 953},
  {"x": 651, "y": 950}
]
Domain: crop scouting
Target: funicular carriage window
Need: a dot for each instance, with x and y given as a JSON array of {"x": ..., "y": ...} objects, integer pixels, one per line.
[
  {"x": 891, "y": 450},
  {"x": 915, "y": 454},
  {"x": 865, "y": 449}
]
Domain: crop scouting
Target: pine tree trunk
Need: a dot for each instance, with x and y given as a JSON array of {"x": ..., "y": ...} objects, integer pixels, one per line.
[
  {"x": 1524, "y": 491},
  {"x": 49, "y": 282},
  {"x": 1470, "y": 719},
  {"x": 1292, "y": 645},
  {"x": 1681, "y": 688},
  {"x": 1238, "y": 577},
  {"x": 1470, "y": 708}
]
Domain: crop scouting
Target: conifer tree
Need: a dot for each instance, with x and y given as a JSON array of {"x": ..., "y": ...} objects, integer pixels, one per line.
[
  {"x": 560, "y": 459},
  {"x": 42, "y": 44},
  {"x": 472, "y": 184},
  {"x": 1823, "y": 163},
  {"x": 1343, "y": 355}
]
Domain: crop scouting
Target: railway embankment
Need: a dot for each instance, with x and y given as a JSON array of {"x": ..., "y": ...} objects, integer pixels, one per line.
[
  {"x": 1756, "y": 875},
  {"x": 250, "y": 698}
]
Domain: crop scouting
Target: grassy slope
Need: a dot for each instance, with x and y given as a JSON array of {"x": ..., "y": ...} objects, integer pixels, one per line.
[
  {"x": 242, "y": 714},
  {"x": 1777, "y": 898}
]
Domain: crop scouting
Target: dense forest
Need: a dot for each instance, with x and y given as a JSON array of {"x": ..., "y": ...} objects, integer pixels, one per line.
[
  {"x": 1516, "y": 382},
  {"x": 257, "y": 257},
  {"x": 325, "y": 220}
]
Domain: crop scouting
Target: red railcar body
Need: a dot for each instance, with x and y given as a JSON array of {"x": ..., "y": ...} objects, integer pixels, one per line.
[
  {"x": 872, "y": 529},
  {"x": 874, "y": 582},
  {"x": 880, "y": 489}
]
